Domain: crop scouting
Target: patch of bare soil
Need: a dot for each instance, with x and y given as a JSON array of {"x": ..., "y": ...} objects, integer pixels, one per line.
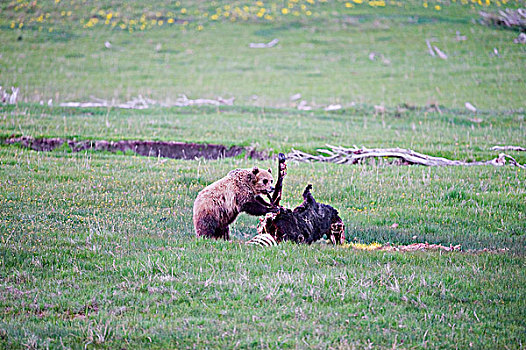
[{"x": 164, "y": 149}]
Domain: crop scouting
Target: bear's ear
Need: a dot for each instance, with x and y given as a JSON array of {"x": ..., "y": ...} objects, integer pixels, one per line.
[
  {"x": 255, "y": 170},
  {"x": 269, "y": 170}
]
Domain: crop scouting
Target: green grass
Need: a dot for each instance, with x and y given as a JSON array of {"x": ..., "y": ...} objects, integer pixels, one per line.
[
  {"x": 451, "y": 134},
  {"x": 325, "y": 58},
  {"x": 97, "y": 250},
  {"x": 478, "y": 207},
  {"x": 162, "y": 293}
]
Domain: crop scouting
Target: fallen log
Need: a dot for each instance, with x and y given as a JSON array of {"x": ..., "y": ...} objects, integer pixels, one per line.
[
  {"x": 512, "y": 18},
  {"x": 342, "y": 155},
  {"x": 508, "y": 148}
]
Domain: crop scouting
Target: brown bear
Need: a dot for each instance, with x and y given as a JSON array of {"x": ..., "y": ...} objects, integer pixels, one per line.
[{"x": 219, "y": 204}]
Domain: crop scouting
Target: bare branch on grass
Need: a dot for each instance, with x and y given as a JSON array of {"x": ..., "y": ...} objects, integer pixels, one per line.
[
  {"x": 430, "y": 48},
  {"x": 9, "y": 98},
  {"x": 507, "y": 18},
  {"x": 440, "y": 53},
  {"x": 470, "y": 107},
  {"x": 508, "y": 148},
  {"x": 141, "y": 102},
  {"x": 270, "y": 44},
  {"x": 341, "y": 155},
  {"x": 303, "y": 106}
]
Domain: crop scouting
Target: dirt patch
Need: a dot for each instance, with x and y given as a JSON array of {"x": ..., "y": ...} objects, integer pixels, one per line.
[
  {"x": 164, "y": 149},
  {"x": 421, "y": 247}
]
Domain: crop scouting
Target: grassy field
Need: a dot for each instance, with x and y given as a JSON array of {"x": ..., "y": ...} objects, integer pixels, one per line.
[
  {"x": 97, "y": 250},
  {"x": 323, "y": 57},
  {"x": 451, "y": 134}
]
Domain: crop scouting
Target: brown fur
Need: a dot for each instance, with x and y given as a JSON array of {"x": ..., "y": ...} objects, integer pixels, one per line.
[{"x": 219, "y": 204}]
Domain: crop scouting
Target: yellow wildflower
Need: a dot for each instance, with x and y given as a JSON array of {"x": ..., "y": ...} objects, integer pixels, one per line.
[{"x": 363, "y": 246}]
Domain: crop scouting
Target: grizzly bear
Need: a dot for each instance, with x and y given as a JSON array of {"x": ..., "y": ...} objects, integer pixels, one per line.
[{"x": 219, "y": 204}]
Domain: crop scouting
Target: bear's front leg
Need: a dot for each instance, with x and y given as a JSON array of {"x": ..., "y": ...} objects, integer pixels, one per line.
[
  {"x": 259, "y": 207},
  {"x": 282, "y": 172}
]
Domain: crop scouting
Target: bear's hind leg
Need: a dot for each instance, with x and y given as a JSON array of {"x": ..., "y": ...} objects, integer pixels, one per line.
[
  {"x": 222, "y": 232},
  {"x": 307, "y": 195},
  {"x": 308, "y": 201},
  {"x": 206, "y": 227}
]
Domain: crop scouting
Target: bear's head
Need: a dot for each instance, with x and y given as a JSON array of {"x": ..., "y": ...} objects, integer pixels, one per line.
[{"x": 262, "y": 181}]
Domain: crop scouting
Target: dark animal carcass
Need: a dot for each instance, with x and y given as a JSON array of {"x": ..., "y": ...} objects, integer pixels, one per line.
[{"x": 306, "y": 223}]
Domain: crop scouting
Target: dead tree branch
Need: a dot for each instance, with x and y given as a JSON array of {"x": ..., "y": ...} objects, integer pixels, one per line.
[
  {"x": 507, "y": 18},
  {"x": 341, "y": 155},
  {"x": 9, "y": 98},
  {"x": 270, "y": 44},
  {"x": 508, "y": 148},
  {"x": 141, "y": 102}
]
